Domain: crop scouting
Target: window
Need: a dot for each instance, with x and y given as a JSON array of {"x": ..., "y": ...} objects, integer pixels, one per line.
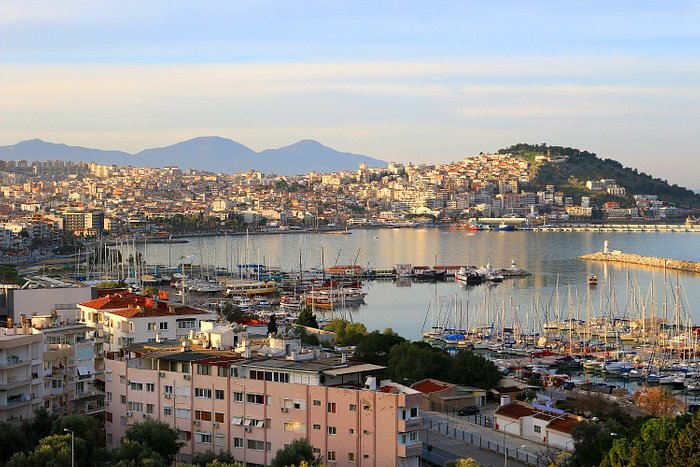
[
  {"x": 331, "y": 407},
  {"x": 150, "y": 408},
  {"x": 163, "y": 326},
  {"x": 122, "y": 399},
  {"x": 182, "y": 391},
  {"x": 222, "y": 371},
  {"x": 202, "y": 415},
  {"x": 256, "y": 445},
  {"x": 173, "y": 366},
  {"x": 167, "y": 389},
  {"x": 122, "y": 379},
  {"x": 351, "y": 457},
  {"x": 122, "y": 420},
  {"x": 183, "y": 413},
  {"x": 237, "y": 442},
  {"x": 202, "y": 437},
  {"x": 317, "y": 402},
  {"x": 185, "y": 367},
  {"x": 202, "y": 393},
  {"x": 220, "y": 394},
  {"x": 167, "y": 410},
  {"x": 187, "y": 324},
  {"x": 218, "y": 440},
  {"x": 538, "y": 429},
  {"x": 331, "y": 456},
  {"x": 151, "y": 326},
  {"x": 413, "y": 412},
  {"x": 204, "y": 369},
  {"x": 365, "y": 407},
  {"x": 351, "y": 431},
  {"x": 331, "y": 430},
  {"x": 135, "y": 386},
  {"x": 237, "y": 397},
  {"x": 108, "y": 417},
  {"x": 317, "y": 451},
  {"x": 150, "y": 387},
  {"x": 219, "y": 417},
  {"x": 353, "y": 408},
  {"x": 255, "y": 398},
  {"x": 108, "y": 396},
  {"x": 317, "y": 426}
]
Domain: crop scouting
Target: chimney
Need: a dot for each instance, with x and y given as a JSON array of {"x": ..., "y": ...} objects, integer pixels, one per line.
[{"x": 505, "y": 399}]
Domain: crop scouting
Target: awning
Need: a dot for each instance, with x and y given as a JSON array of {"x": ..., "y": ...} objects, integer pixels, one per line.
[{"x": 85, "y": 370}]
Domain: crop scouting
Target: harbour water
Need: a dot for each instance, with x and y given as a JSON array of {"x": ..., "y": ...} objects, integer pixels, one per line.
[{"x": 407, "y": 307}]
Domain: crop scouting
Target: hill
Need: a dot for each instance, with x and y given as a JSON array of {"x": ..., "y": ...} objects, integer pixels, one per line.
[
  {"x": 576, "y": 167},
  {"x": 210, "y": 153}
]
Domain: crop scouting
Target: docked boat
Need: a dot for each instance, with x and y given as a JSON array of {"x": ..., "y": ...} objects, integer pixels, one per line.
[
  {"x": 468, "y": 276},
  {"x": 330, "y": 298},
  {"x": 245, "y": 287},
  {"x": 503, "y": 227},
  {"x": 593, "y": 280}
]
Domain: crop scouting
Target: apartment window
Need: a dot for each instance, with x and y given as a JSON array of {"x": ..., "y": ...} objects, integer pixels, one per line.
[
  {"x": 268, "y": 446},
  {"x": 150, "y": 387},
  {"x": 365, "y": 432},
  {"x": 183, "y": 413},
  {"x": 365, "y": 456},
  {"x": 203, "y": 369},
  {"x": 413, "y": 412},
  {"x": 150, "y": 408},
  {"x": 167, "y": 389},
  {"x": 331, "y": 456},
  {"x": 185, "y": 367},
  {"x": 256, "y": 445},
  {"x": 353, "y": 408},
  {"x": 538, "y": 429},
  {"x": 122, "y": 379},
  {"x": 237, "y": 397},
  {"x": 202, "y": 393},
  {"x": 163, "y": 326},
  {"x": 122, "y": 399},
  {"x": 222, "y": 371},
  {"x": 167, "y": 410},
  {"x": 202, "y": 415},
  {"x": 237, "y": 442},
  {"x": 108, "y": 417},
  {"x": 220, "y": 394},
  {"x": 317, "y": 402},
  {"x": 122, "y": 420},
  {"x": 331, "y": 407},
  {"x": 365, "y": 407},
  {"x": 108, "y": 396},
  {"x": 187, "y": 324},
  {"x": 255, "y": 398},
  {"x": 136, "y": 406},
  {"x": 219, "y": 417},
  {"x": 151, "y": 326},
  {"x": 182, "y": 391},
  {"x": 351, "y": 457},
  {"x": 202, "y": 437},
  {"x": 317, "y": 426},
  {"x": 219, "y": 440},
  {"x": 173, "y": 366},
  {"x": 331, "y": 430},
  {"x": 317, "y": 451}
]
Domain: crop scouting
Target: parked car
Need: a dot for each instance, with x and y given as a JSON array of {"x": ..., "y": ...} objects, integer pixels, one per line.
[{"x": 470, "y": 410}]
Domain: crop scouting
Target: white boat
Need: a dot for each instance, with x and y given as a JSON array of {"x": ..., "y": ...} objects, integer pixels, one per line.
[{"x": 245, "y": 287}]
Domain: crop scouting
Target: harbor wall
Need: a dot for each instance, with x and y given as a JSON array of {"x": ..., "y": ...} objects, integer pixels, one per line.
[{"x": 652, "y": 261}]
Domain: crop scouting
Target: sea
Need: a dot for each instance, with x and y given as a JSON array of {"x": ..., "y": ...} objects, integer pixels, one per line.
[{"x": 556, "y": 288}]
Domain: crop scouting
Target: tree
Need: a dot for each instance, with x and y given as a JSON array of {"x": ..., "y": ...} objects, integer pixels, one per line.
[
  {"x": 648, "y": 447},
  {"x": 84, "y": 428},
  {"x": 468, "y": 462},
  {"x": 12, "y": 440},
  {"x": 38, "y": 427},
  {"x": 298, "y": 451},
  {"x": 472, "y": 369},
  {"x": 307, "y": 318},
  {"x": 657, "y": 401},
  {"x": 158, "y": 436},
  {"x": 54, "y": 450},
  {"x": 414, "y": 361},
  {"x": 151, "y": 290},
  {"x": 212, "y": 459},
  {"x": 592, "y": 441},
  {"x": 230, "y": 313},
  {"x": 375, "y": 347},
  {"x": 135, "y": 454},
  {"x": 272, "y": 324},
  {"x": 346, "y": 333},
  {"x": 685, "y": 449}
]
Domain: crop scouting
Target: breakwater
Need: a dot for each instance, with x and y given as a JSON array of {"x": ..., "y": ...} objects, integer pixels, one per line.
[{"x": 651, "y": 261}]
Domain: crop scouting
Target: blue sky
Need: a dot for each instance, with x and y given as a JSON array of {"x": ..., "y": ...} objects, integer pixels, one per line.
[{"x": 420, "y": 81}]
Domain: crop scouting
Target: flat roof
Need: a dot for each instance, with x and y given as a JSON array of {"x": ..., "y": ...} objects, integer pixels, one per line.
[{"x": 363, "y": 367}]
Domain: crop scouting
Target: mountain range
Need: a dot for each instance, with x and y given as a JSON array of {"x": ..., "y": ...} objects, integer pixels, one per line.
[{"x": 210, "y": 153}]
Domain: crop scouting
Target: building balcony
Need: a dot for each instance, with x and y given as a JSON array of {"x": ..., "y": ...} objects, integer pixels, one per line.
[
  {"x": 14, "y": 384},
  {"x": 409, "y": 450},
  {"x": 13, "y": 363},
  {"x": 410, "y": 425}
]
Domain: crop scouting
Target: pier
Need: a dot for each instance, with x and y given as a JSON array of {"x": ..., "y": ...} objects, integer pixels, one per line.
[{"x": 651, "y": 261}]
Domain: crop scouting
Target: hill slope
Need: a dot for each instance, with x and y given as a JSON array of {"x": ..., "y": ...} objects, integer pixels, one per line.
[{"x": 571, "y": 175}]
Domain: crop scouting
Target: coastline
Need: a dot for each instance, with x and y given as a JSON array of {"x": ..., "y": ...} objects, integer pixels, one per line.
[{"x": 651, "y": 261}]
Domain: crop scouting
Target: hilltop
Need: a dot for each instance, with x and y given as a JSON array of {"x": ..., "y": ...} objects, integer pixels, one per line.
[{"x": 569, "y": 169}]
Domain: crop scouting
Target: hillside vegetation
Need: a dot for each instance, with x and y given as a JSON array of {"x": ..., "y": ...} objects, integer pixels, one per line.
[{"x": 571, "y": 175}]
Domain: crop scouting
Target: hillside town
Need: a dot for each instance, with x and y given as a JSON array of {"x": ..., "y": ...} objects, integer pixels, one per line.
[{"x": 43, "y": 200}]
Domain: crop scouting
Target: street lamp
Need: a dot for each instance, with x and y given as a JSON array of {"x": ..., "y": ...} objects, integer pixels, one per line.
[
  {"x": 505, "y": 449},
  {"x": 72, "y": 446}
]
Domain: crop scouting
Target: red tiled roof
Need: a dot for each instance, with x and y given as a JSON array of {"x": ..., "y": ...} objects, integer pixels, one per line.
[
  {"x": 146, "y": 312},
  {"x": 515, "y": 410},
  {"x": 428, "y": 386},
  {"x": 564, "y": 425},
  {"x": 130, "y": 305}
]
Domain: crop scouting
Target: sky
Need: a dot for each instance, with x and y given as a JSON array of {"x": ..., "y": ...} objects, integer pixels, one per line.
[{"x": 419, "y": 81}]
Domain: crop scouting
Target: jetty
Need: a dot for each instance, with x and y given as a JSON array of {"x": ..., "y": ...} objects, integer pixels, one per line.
[{"x": 617, "y": 256}]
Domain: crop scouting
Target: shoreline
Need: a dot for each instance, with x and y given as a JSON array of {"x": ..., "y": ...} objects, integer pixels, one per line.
[{"x": 651, "y": 261}]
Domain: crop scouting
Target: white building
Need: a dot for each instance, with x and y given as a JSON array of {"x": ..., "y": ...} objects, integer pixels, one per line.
[{"x": 21, "y": 383}]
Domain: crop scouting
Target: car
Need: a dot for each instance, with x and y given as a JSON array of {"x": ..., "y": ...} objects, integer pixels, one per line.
[{"x": 470, "y": 410}]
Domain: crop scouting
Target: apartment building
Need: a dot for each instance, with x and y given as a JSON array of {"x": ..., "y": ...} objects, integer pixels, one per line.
[
  {"x": 252, "y": 405},
  {"x": 21, "y": 388},
  {"x": 126, "y": 318}
]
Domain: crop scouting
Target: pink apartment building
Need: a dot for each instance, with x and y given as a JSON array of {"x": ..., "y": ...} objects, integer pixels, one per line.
[{"x": 221, "y": 401}]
